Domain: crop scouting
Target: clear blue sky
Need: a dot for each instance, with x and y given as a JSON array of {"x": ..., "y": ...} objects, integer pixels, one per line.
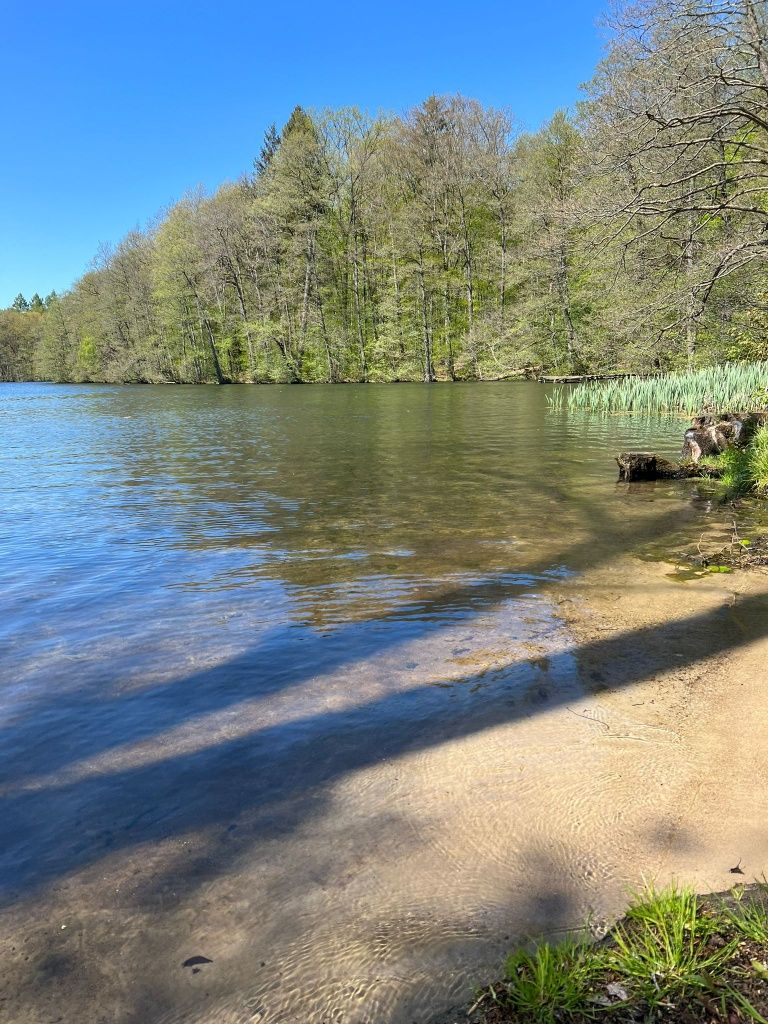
[{"x": 111, "y": 109}]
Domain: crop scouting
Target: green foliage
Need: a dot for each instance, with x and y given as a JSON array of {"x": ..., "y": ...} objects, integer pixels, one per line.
[
  {"x": 757, "y": 454},
  {"x": 269, "y": 147},
  {"x": 672, "y": 950},
  {"x": 736, "y": 478},
  {"x": 442, "y": 245},
  {"x": 750, "y": 918},
  {"x": 87, "y": 357},
  {"x": 432, "y": 246},
  {"x": 744, "y": 470},
  {"x": 19, "y": 339}
]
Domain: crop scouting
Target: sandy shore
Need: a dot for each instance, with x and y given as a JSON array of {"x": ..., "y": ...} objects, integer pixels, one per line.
[
  {"x": 609, "y": 730},
  {"x": 689, "y": 659},
  {"x": 682, "y": 668}
]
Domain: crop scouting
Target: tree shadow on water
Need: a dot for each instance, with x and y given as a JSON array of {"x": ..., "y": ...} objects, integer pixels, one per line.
[
  {"x": 88, "y": 719},
  {"x": 283, "y": 769},
  {"x": 281, "y": 775}
]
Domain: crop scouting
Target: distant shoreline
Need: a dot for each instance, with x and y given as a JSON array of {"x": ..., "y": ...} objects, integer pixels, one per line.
[{"x": 269, "y": 383}]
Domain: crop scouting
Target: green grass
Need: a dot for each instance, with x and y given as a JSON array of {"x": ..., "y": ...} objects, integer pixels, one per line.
[
  {"x": 671, "y": 952},
  {"x": 550, "y": 981},
  {"x": 758, "y": 459},
  {"x": 749, "y": 919},
  {"x": 662, "y": 949},
  {"x": 738, "y": 387},
  {"x": 745, "y": 470}
]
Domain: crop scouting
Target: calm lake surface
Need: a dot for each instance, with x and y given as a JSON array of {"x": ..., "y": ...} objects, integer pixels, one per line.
[{"x": 283, "y": 686}]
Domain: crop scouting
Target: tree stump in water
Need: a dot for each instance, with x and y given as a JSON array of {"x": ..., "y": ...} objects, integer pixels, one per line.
[
  {"x": 710, "y": 435},
  {"x": 642, "y": 466}
]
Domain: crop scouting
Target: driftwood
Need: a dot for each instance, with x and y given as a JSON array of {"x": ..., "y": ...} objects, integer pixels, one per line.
[
  {"x": 647, "y": 466},
  {"x": 521, "y": 373},
  {"x": 711, "y": 434}
]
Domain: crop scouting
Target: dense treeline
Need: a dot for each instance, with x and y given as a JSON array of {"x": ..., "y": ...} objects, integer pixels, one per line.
[{"x": 446, "y": 245}]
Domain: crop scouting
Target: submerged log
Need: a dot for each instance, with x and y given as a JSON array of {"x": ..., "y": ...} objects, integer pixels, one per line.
[{"x": 648, "y": 466}]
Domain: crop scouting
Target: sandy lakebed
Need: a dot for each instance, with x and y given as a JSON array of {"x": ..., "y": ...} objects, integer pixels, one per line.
[
  {"x": 649, "y": 765},
  {"x": 679, "y": 670}
]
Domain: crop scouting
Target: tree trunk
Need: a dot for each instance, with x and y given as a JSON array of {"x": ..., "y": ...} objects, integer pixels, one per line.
[
  {"x": 398, "y": 307},
  {"x": 757, "y": 40},
  {"x": 205, "y": 324},
  {"x": 470, "y": 291},
  {"x": 323, "y": 326},
  {"x": 358, "y": 310},
  {"x": 571, "y": 339},
  {"x": 691, "y": 313},
  {"x": 503, "y": 273},
  {"x": 429, "y": 372},
  {"x": 308, "y": 275},
  {"x": 447, "y": 330}
]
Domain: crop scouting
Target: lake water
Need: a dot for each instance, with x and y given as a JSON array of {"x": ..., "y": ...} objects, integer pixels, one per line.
[{"x": 283, "y": 685}]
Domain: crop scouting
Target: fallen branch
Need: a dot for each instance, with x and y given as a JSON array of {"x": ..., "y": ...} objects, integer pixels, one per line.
[
  {"x": 648, "y": 466},
  {"x": 578, "y": 378}
]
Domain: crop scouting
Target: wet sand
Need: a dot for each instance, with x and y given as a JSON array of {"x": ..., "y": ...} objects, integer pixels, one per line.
[
  {"x": 688, "y": 661},
  {"x": 608, "y": 730}
]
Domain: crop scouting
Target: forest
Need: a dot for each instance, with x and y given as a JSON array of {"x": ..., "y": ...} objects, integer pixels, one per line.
[{"x": 447, "y": 244}]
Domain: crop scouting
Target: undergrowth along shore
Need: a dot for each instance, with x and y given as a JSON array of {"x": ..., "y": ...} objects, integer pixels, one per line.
[
  {"x": 741, "y": 387},
  {"x": 674, "y": 957},
  {"x": 744, "y": 470},
  {"x": 736, "y": 387}
]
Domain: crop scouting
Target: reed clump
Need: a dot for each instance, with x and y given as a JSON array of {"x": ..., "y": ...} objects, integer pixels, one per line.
[{"x": 739, "y": 386}]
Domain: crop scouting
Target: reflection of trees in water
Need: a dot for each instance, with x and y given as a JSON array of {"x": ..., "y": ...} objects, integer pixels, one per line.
[{"x": 360, "y": 497}]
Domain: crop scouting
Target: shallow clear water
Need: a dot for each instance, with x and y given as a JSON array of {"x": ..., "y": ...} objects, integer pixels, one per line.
[{"x": 270, "y": 657}]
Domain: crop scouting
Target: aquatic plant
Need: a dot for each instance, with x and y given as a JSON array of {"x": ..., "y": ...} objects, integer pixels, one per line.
[{"x": 733, "y": 386}]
